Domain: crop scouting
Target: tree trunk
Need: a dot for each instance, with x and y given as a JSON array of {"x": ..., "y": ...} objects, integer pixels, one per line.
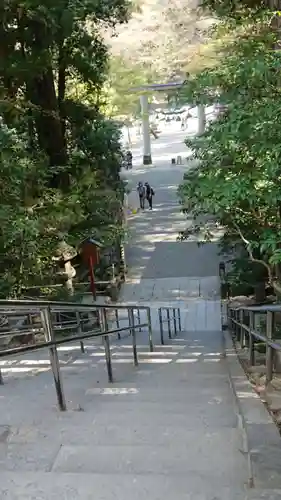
[
  {"x": 43, "y": 95},
  {"x": 48, "y": 120},
  {"x": 61, "y": 88},
  {"x": 260, "y": 294}
]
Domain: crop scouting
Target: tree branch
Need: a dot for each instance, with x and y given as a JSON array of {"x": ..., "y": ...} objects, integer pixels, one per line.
[{"x": 271, "y": 279}]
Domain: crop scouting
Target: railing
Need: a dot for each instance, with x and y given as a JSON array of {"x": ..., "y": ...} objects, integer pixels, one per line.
[
  {"x": 172, "y": 319},
  {"x": 87, "y": 321},
  {"x": 241, "y": 322}
]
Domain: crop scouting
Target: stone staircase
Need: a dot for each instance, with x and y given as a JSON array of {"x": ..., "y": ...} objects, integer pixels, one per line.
[{"x": 165, "y": 429}]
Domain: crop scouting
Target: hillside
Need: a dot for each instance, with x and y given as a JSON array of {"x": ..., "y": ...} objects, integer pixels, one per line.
[{"x": 163, "y": 36}]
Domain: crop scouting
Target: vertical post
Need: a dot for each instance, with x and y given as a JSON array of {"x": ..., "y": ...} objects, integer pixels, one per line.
[
  {"x": 201, "y": 118},
  {"x": 117, "y": 323},
  {"x": 228, "y": 316},
  {"x": 29, "y": 322},
  {"x": 139, "y": 318},
  {"x": 133, "y": 333},
  {"x": 246, "y": 337},
  {"x": 161, "y": 325},
  {"x": 169, "y": 323},
  {"x": 1, "y": 378},
  {"x": 108, "y": 358},
  {"x": 237, "y": 327},
  {"x": 269, "y": 350},
  {"x": 106, "y": 344},
  {"x": 175, "y": 321},
  {"x": 251, "y": 340},
  {"x": 241, "y": 329},
  {"x": 79, "y": 330},
  {"x": 179, "y": 318},
  {"x": 145, "y": 130},
  {"x": 49, "y": 336},
  {"x": 148, "y": 315}
]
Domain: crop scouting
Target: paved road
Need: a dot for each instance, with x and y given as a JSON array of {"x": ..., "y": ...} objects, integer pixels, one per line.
[{"x": 161, "y": 268}]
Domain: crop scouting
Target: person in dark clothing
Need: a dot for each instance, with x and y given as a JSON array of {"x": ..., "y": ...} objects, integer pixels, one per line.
[
  {"x": 129, "y": 159},
  {"x": 149, "y": 193},
  {"x": 141, "y": 192}
]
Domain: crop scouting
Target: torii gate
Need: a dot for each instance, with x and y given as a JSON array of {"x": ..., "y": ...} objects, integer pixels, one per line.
[{"x": 144, "y": 90}]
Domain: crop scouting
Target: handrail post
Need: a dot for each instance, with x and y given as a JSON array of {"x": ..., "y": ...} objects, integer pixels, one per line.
[
  {"x": 150, "y": 341},
  {"x": 241, "y": 329},
  {"x": 161, "y": 325},
  {"x": 169, "y": 324},
  {"x": 237, "y": 329},
  {"x": 1, "y": 378},
  {"x": 227, "y": 316},
  {"x": 79, "y": 328},
  {"x": 179, "y": 318},
  {"x": 117, "y": 318},
  {"x": 133, "y": 333},
  {"x": 251, "y": 340},
  {"x": 117, "y": 323},
  {"x": 175, "y": 321},
  {"x": 29, "y": 322},
  {"x": 269, "y": 349},
  {"x": 54, "y": 359},
  {"x": 139, "y": 318},
  {"x": 231, "y": 327},
  {"x": 106, "y": 344},
  {"x": 231, "y": 322},
  {"x": 108, "y": 358},
  {"x": 246, "y": 337}
]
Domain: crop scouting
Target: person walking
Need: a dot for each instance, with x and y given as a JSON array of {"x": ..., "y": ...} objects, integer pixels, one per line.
[
  {"x": 149, "y": 193},
  {"x": 129, "y": 159},
  {"x": 141, "y": 192}
]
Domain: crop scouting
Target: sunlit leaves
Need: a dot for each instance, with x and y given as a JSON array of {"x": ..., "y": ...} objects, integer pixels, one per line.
[{"x": 238, "y": 180}]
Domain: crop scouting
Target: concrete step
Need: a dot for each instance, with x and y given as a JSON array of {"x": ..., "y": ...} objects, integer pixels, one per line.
[
  {"x": 73, "y": 486},
  {"x": 151, "y": 459},
  {"x": 163, "y": 430},
  {"x": 196, "y": 314},
  {"x": 97, "y": 434}
]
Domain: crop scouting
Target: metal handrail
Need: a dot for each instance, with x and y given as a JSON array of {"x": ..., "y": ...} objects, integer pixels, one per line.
[
  {"x": 17, "y": 307},
  {"x": 176, "y": 319},
  {"x": 61, "y": 306},
  {"x": 247, "y": 335},
  {"x": 46, "y": 310},
  {"x": 60, "y": 326}
]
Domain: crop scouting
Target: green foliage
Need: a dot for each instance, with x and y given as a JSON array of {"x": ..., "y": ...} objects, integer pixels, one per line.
[
  {"x": 28, "y": 209},
  {"x": 123, "y": 76},
  {"x": 239, "y": 156},
  {"x": 236, "y": 10},
  {"x": 60, "y": 157}
]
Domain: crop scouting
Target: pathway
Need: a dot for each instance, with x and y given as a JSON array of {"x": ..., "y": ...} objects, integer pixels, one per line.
[
  {"x": 163, "y": 270},
  {"x": 166, "y": 429}
]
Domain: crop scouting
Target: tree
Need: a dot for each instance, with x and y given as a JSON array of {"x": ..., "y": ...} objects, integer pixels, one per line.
[
  {"x": 62, "y": 155},
  {"x": 238, "y": 177},
  {"x": 164, "y": 38},
  {"x": 124, "y": 75}
]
